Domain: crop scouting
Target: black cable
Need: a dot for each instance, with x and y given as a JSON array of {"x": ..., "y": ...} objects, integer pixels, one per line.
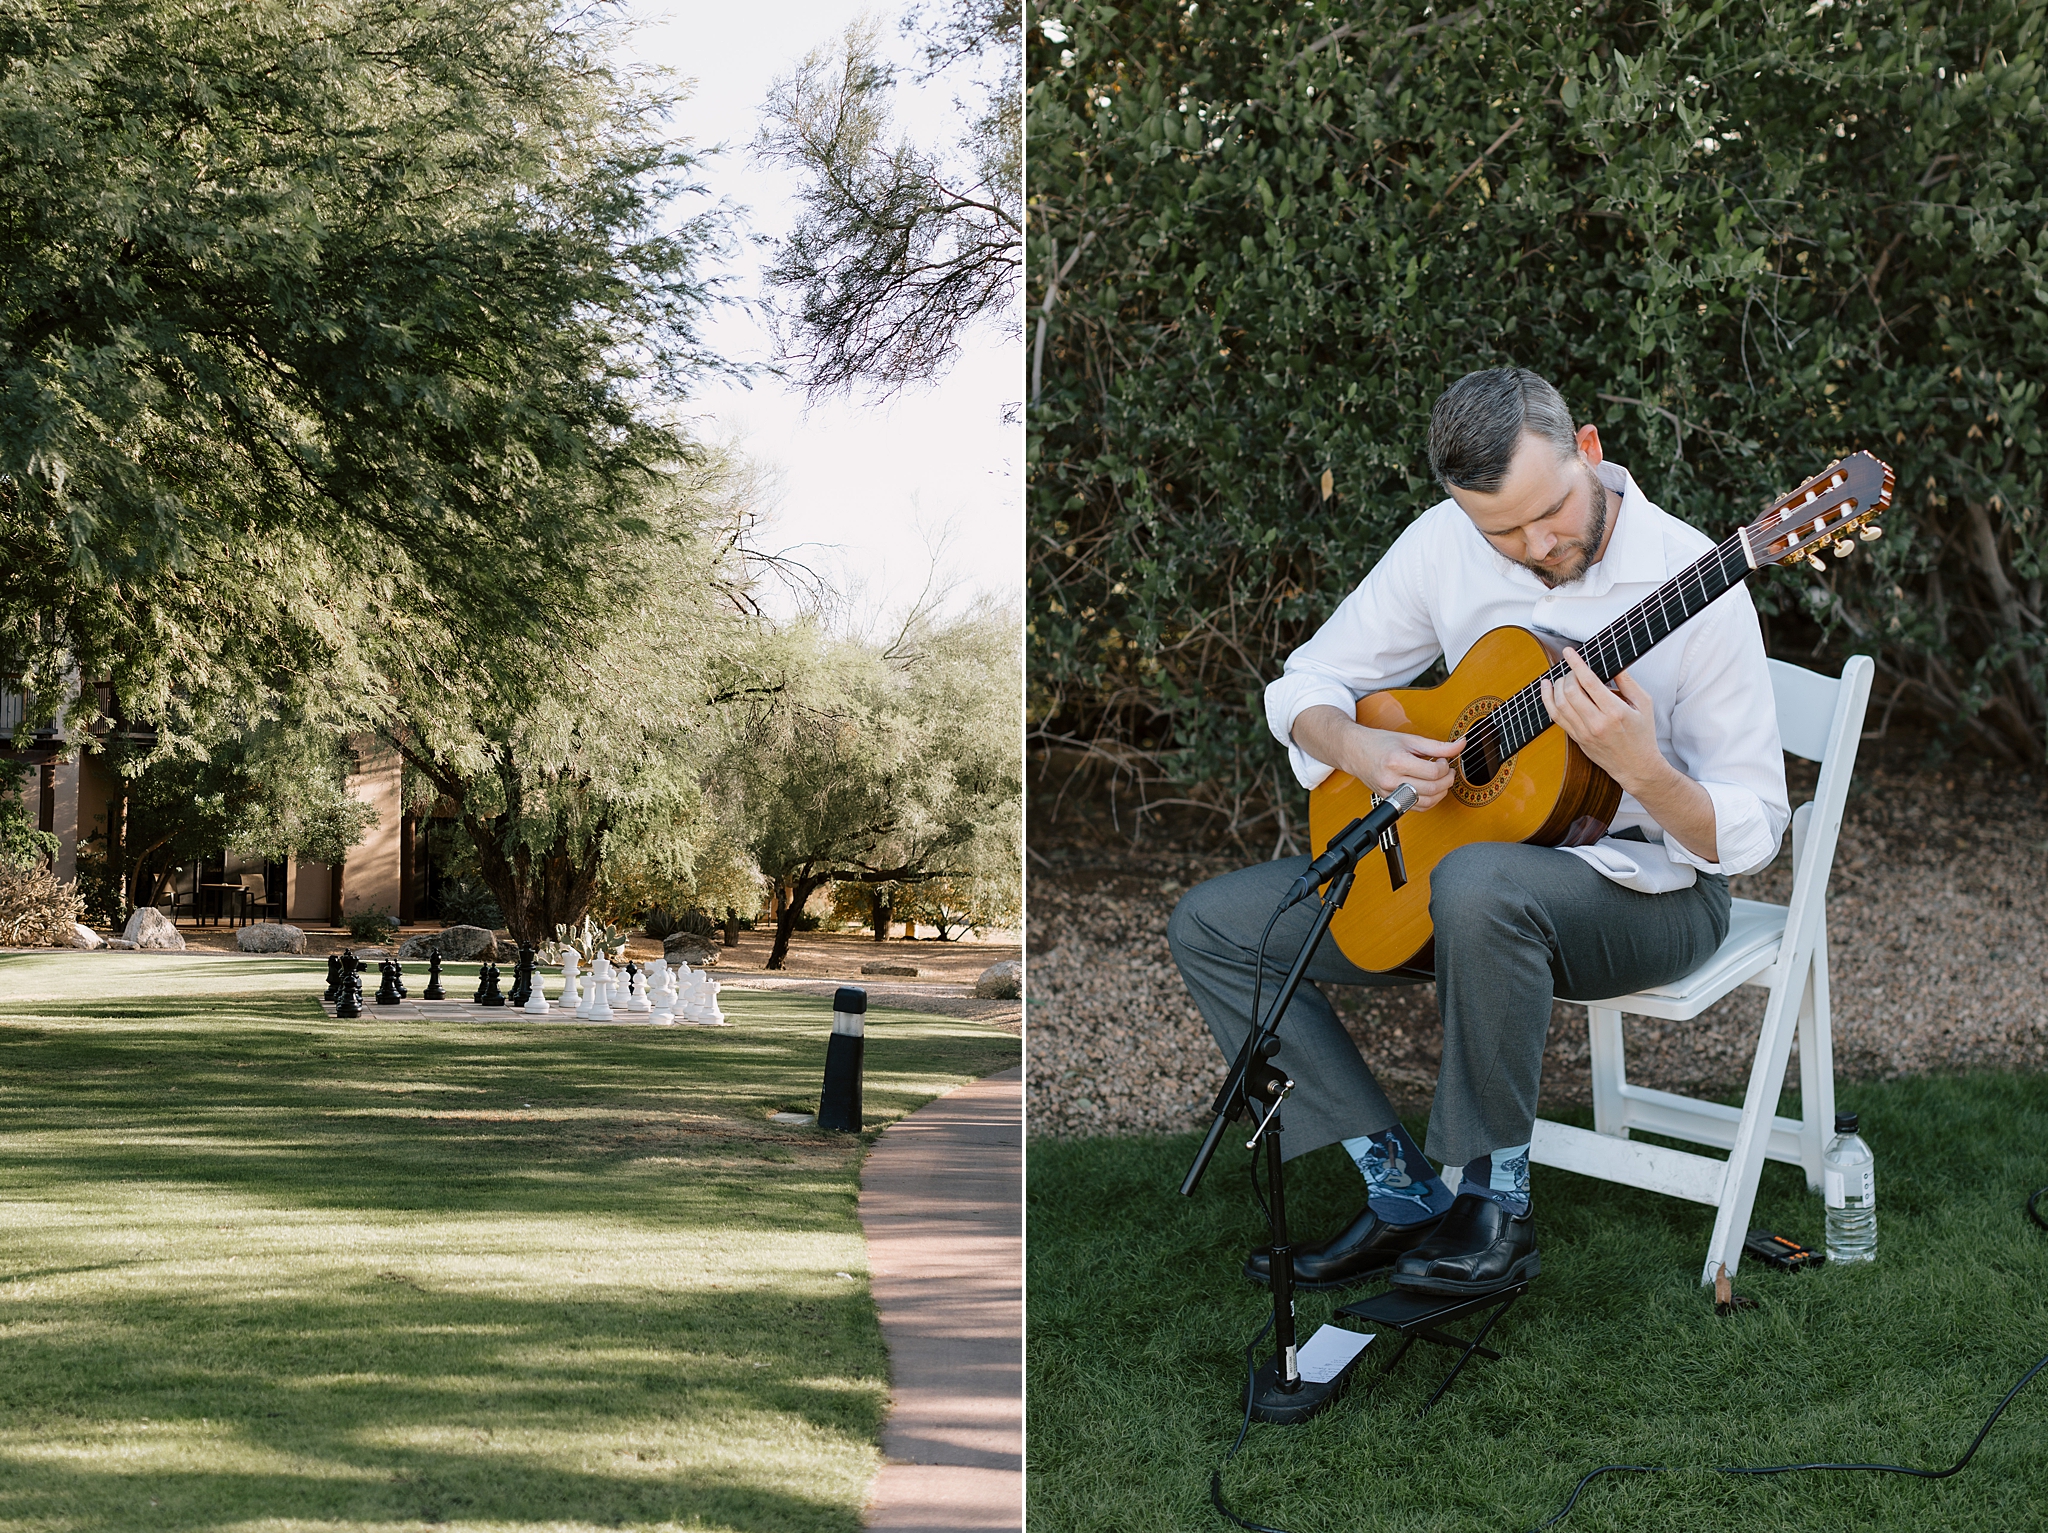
[
  {"x": 1251, "y": 1382},
  {"x": 2033, "y": 1213}
]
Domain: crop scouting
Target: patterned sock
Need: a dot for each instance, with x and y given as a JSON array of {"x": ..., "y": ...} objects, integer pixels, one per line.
[
  {"x": 1502, "y": 1176},
  {"x": 1402, "y": 1188}
]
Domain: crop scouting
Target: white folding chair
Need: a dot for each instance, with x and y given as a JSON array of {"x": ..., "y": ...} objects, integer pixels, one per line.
[{"x": 1783, "y": 948}]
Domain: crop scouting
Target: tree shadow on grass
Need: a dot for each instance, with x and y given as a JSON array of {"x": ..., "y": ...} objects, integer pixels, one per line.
[{"x": 268, "y": 1264}]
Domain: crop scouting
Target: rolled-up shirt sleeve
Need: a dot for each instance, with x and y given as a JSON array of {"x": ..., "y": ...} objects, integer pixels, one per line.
[
  {"x": 1380, "y": 636},
  {"x": 1724, "y": 736}
]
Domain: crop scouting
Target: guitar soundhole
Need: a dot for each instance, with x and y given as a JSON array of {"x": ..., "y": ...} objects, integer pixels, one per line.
[{"x": 1481, "y": 774}]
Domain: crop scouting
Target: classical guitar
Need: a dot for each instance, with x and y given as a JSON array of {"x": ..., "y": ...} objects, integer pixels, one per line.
[{"x": 1521, "y": 779}]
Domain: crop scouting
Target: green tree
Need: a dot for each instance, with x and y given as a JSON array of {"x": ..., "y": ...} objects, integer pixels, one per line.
[
  {"x": 315, "y": 316},
  {"x": 1742, "y": 240},
  {"x": 558, "y": 756},
  {"x": 885, "y": 763},
  {"x": 899, "y": 248}
]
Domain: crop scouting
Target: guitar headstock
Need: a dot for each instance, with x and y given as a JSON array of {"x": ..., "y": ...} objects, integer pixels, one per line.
[{"x": 1842, "y": 499}]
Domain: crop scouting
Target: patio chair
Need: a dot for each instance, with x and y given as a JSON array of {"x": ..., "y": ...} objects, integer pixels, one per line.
[
  {"x": 1782, "y": 948},
  {"x": 256, "y": 900}
]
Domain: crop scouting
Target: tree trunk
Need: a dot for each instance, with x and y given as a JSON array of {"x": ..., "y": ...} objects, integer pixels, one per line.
[
  {"x": 882, "y": 913},
  {"x": 537, "y": 893},
  {"x": 801, "y": 890}
]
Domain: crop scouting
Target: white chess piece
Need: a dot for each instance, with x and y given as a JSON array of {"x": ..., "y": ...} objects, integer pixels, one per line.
[
  {"x": 537, "y": 997},
  {"x": 588, "y": 997},
  {"x": 600, "y": 989},
  {"x": 712, "y": 1015},
  {"x": 661, "y": 995},
  {"x": 694, "y": 1010},
  {"x": 572, "y": 989},
  {"x": 638, "y": 1001}
]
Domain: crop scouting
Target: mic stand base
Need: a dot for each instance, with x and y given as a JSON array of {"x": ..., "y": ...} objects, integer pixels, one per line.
[{"x": 1286, "y": 1407}]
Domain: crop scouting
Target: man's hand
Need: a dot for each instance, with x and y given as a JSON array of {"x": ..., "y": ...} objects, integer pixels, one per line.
[
  {"x": 1382, "y": 759},
  {"x": 1613, "y": 725},
  {"x": 1617, "y": 727}
]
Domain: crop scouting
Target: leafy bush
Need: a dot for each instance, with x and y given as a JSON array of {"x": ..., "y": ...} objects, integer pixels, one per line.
[
  {"x": 36, "y": 910},
  {"x": 1741, "y": 242},
  {"x": 21, "y": 844},
  {"x": 377, "y": 925},
  {"x": 467, "y": 901}
]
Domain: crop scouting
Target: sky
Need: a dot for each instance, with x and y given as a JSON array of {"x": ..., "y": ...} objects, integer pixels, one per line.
[{"x": 866, "y": 490}]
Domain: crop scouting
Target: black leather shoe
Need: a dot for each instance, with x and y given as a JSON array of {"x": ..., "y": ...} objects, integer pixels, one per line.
[
  {"x": 1364, "y": 1248},
  {"x": 1477, "y": 1248}
]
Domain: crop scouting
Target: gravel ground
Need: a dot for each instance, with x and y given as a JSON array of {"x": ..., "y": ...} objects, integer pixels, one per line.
[{"x": 1938, "y": 947}]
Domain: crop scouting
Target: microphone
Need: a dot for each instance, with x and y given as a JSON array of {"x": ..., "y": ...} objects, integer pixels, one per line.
[{"x": 1351, "y": 843}]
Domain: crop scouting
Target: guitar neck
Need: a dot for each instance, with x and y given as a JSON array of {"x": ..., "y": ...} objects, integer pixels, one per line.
[{"x": 1617, "y": 646}]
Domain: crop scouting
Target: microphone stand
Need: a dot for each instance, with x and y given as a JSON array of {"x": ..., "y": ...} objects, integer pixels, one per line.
[{"x": 1278, "y": 1392}]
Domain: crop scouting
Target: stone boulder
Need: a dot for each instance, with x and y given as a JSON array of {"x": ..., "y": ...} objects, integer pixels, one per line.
[
  {"x": 899, "y": 970},
  {"x": 270, "y": 937},
  {"x": 121, "y": 943},
  {"x": 84, "y": 936},
  {"x": 687, "y": 947},
  {"x": 1001, "y": 981},
  {"x": 462, "y": 942},
  {"x": 151, "y": 929}
]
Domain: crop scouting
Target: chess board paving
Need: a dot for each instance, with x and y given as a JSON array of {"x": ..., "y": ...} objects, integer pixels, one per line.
[{"x": 262, "y": 1267}]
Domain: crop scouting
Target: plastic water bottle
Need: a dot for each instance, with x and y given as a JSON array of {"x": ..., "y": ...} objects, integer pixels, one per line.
[{"x": 1849, "y": 1183}]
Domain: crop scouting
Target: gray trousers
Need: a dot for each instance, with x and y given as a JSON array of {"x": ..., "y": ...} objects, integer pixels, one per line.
[{"x": 1516, "y": 926}]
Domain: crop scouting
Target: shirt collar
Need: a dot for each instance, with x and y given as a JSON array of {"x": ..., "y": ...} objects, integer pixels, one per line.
[{"x": 1635, "y": 553}]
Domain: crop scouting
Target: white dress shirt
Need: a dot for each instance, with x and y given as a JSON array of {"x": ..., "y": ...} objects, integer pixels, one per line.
[{"x": 1442, "y": 586}]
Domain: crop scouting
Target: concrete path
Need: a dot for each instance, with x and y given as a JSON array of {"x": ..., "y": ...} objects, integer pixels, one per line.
[{"x": 941, "y": 1198}]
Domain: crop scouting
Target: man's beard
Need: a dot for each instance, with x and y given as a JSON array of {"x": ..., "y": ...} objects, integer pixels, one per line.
[{"x": 1596, "y": 534}]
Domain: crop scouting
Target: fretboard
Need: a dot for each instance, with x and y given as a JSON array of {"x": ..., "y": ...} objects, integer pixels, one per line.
[{"x": 1609, "y": 652}]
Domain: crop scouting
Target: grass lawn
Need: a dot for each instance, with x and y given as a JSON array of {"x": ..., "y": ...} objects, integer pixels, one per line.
[
  {"x": 262, "y": 1270},
  {"x": 1139, "y": 1318}
]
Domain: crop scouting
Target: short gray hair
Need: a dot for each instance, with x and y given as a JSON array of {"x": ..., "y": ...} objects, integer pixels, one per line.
[{"x": 1476, "y": 423}]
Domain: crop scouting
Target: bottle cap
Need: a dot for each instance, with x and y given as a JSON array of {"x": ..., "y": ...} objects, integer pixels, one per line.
[{"x": 1845, "y": 1123}]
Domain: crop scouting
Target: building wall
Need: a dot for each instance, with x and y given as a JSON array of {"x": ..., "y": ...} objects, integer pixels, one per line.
[
  {"x": 66, "y": 822},
  {"x": 369, "y": 880},
  {"x": 306, "y": 886}
]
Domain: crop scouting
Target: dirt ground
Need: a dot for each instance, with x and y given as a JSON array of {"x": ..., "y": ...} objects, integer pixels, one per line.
[{"x": 1937, "y": 929}]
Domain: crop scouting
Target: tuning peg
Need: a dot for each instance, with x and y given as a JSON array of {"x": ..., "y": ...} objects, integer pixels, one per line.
[
  {"x": 1843, "y": 548},
  {"x": 1817, "y": 562},
  {"x": 1871, "y": 533}
]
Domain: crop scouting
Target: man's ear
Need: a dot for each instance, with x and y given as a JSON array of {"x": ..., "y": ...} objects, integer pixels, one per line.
[{"x": 1589, "y": 442}]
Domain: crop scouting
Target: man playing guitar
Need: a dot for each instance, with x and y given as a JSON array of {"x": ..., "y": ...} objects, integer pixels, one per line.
[{"x": 1538, "y": 531}]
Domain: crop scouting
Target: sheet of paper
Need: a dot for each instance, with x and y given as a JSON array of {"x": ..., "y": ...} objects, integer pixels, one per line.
[{"x": 1329, "y": 1352}]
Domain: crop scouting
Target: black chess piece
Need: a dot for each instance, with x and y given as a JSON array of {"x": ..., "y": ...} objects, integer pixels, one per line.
[
  {"x": 398, "y": 979},
  {"x": 351, "y": 1003},
  {"x": 522, "y": 978},
  {"x": 483, "y": 983},
  {"x": 387, "y": 987},
  {"x": 488, "y": 993},
  {"x": 333, "y": 978},
  {"x": 434, "y": 992}
]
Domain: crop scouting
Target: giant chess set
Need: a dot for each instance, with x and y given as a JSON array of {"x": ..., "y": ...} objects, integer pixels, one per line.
[{"x": 653, "y": 996}]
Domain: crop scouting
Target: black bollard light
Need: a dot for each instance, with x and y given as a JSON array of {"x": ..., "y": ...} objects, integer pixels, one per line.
[{"x": 839, "y": 1105}]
